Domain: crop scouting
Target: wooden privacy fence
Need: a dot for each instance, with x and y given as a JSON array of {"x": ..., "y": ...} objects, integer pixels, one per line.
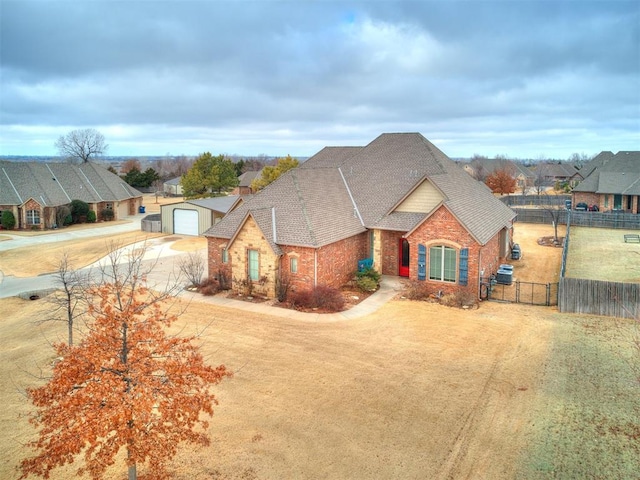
[
  {"x": 628, "y": 221},
  {"x": 597, "y": 297},
  {"x": 521, "y": 292},
  {"x": 535, "y": 199}
]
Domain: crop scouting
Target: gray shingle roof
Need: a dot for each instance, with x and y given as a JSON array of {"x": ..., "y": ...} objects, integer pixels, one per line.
[
  {"x": 246, "y": 178},
  {"x": 53, "y": 184},
  {"x": 609, "y": 173},
  {"x": 219, "y": 204},
  {"x": 342, "y": 191}
]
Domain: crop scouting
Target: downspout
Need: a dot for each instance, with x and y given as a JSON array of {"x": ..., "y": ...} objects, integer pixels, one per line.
[{"x": 315, "y": 267}]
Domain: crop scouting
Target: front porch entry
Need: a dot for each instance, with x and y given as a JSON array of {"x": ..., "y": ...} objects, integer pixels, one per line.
[{"x": 403, "y": 258}]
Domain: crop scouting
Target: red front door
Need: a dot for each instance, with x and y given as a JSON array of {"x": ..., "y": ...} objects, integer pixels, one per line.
[{"x": 403, "y": 258}]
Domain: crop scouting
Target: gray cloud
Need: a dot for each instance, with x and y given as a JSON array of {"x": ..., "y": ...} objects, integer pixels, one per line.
[{"x": 518, "y": 78}]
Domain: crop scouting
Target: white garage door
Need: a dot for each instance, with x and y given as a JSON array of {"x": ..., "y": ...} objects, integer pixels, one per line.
[{"x": 185, "y": 222}]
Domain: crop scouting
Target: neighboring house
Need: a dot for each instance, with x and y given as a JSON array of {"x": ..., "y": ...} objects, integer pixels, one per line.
[
  {"x": 244, "y": 183},
  {"x": 612, "y": 182},
  {"x": 172, "y": 188},
  {"x": 399, "y": 203},
  {"x": 194, "y": 217},
  {"x": 481, "y": 168},
  {"x": 551, "y": 173},
  {"x": 33, "y": 191}
]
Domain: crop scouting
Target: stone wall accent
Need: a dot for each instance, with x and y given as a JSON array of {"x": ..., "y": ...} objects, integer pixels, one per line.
[{"x": 250, "y": 237}]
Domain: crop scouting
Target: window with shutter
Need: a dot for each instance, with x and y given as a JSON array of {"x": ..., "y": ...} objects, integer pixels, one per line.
[
  {"x": 422, "y": 262},
  {"x": 464, "y": 266}
]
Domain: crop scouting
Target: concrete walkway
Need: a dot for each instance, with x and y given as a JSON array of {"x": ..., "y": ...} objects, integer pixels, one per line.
[{"x": 389, "y": 288}]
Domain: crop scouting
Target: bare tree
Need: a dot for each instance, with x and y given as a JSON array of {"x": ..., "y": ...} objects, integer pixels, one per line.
[
  {"x": 69, "y": 298},
  {"x": 540, "y": 181},
  {"x": 82, "y": 145},
  {"x": 192, "y": 266}
]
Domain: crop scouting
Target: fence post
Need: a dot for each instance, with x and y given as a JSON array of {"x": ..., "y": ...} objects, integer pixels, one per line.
[
  {"x": 548, "y": 294},
  {"x": 517, "y": 291}
]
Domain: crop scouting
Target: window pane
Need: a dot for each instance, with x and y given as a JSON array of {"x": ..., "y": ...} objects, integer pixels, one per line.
[
  {"x": 294, "y": 265},
  {"x": 435, "y": 263},
  {"x": 225, "y": 258},
  {"x": 449, "y": 265},
  {"x": 253, "y": 265}
]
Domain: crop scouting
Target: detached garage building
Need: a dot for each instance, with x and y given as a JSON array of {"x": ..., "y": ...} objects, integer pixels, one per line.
[{"x": 194, "y": 217}]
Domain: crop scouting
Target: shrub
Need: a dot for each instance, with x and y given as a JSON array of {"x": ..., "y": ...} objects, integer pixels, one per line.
[
  {"x": 417, "y": 290},
  {"x": 7, "y": 220},
  {"x": 209, "y": 286},
  {"x": 368, "y": 280},
  {"x": 91, "y": 216},
  {"x": 107, "y": 214},
  {"x": 459, "y": 299},
  {"x": 223, "y": 279},
  {"x": 321, "y": 297},
  {"x": 79, "y": 210},
  {"x": 63, "y": 215},
  {"x": 282, "y": 288}
]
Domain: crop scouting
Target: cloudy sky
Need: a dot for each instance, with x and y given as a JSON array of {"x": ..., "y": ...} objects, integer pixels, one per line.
[{"x": 526, "y": 79}]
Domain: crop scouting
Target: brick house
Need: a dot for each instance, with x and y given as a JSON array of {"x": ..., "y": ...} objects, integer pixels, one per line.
[
  {"x": 33, "y": 191},
  {"x": 399, "y": 202},
  {"x": 612, "y": 182},
  {"x": 244, "y": 183}
]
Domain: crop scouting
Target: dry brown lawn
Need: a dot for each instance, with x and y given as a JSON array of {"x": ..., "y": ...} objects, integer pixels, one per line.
[{"x": 416, "y": 390}]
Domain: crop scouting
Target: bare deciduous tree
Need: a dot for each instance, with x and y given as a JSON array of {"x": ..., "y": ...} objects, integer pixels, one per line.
[
  {"x": 192, "y": 266},
  {"x": 70, "y": 297},
  {"x": 82, "y": 145}
]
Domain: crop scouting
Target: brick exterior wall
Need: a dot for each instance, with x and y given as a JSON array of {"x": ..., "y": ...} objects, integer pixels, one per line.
[
  {"x": 390, "y": 247},
  {"x": 305, "y": 277},
  {"x": 338, "y": 261},
  {"x": 442, "y": 228},
  {"x": 31, "y": 204},
  {"x": 605, "y": 201}
]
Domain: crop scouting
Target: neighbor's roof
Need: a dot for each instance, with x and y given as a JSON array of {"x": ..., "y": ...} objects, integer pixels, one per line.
[
  {"x": 342, "y": 191},
  {"x": 247, "y": 177},
  {"x": 609, "y": 173},
  {"x": 219, "y": 204},
  {"x": 53, "y": 184}
]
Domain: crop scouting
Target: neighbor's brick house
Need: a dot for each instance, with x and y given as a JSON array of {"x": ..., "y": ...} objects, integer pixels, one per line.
[
  {"x": 398, "y": 201},
  {"x": 33, "y": 191},
  {"x": 612, "y": 182}
]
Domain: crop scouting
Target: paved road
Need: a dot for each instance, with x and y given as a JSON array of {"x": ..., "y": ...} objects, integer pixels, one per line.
[
  {"x": 159, "y": 253},
  {"x": 18, "y": 241}
]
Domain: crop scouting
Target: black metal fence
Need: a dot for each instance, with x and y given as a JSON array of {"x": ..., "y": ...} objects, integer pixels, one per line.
[{"x": 520, "y": 292}]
